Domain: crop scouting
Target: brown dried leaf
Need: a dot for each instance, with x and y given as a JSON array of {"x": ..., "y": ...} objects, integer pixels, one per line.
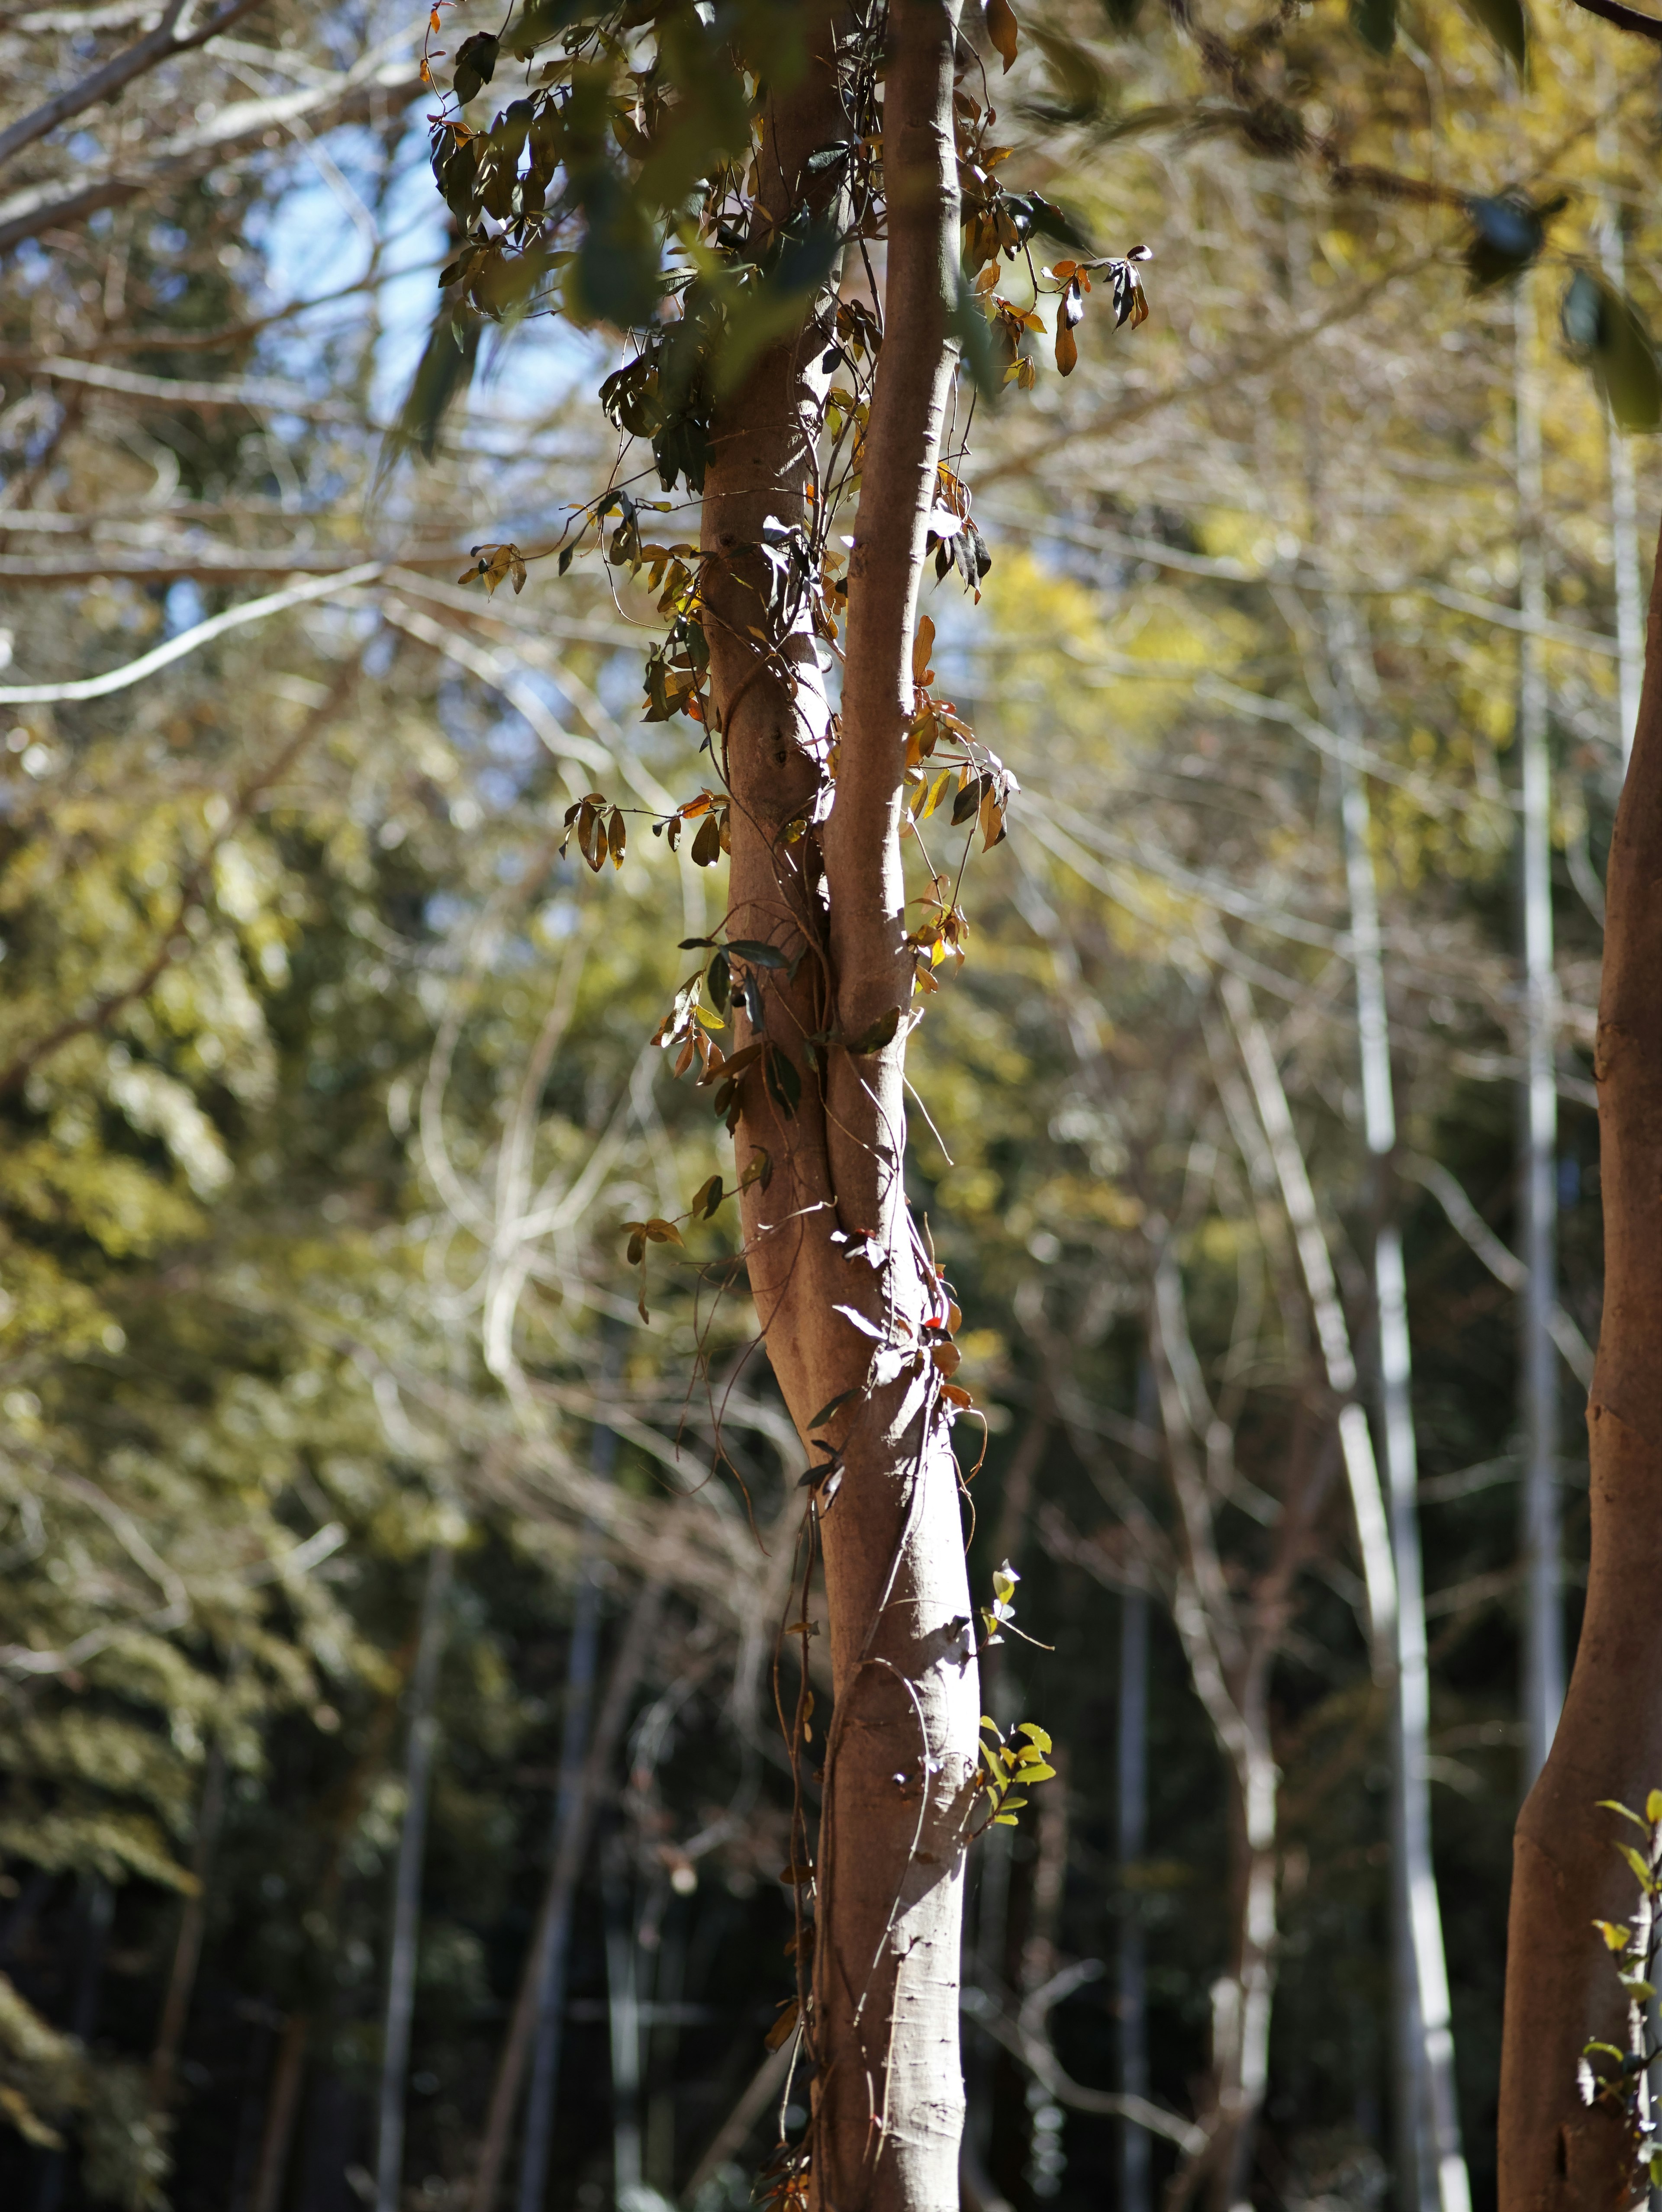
[{"x": 1002, "y": 29}]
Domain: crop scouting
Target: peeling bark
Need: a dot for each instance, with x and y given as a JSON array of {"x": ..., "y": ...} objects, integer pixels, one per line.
[{"x": 829, "y": 1227}]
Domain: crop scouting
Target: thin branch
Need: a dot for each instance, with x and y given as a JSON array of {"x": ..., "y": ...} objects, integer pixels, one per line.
[
  {"x": 375, "y": 83},
  {"x": 188, "y": 640},
  {"x": 247, "y": 391},
  {"x": 156, "y": 46},
  {"x": 1625, "y": 19},
  {"x": 1502, "y": 1263}
]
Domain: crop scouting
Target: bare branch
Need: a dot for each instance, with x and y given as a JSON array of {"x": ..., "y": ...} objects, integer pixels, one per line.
[
  {"x": 1501, "y": 1260},
  {"x": 1625, "y": 19},
  {"x": 156, "y": 46},
  {"x": 375, "y": 84},
  {"x": 188, "y": 640}
]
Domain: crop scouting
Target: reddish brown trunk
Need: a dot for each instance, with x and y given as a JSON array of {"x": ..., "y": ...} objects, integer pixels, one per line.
[
  {"x": 830, "y": 1228},
  {"x": 1561, "y": 1986}
]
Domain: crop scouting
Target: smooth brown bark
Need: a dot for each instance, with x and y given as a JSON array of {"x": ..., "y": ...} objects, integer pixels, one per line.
[
  {"x": 1554, "y": 2154},
  {"x": 831, "y": 1229}
]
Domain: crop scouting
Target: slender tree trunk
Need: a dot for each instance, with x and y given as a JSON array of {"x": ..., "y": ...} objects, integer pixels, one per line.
[
  {"x": 623, "y": 1998},
  {"x": 289, "y": 2072},
  {"x": 98, "y": 1910},
  {"x": 1433, "y": 2165},
  {"x": 1624, "y": 497},
  {"x": 562, "y": 1878},
  {"x": 987, "y": 2059},
  {"x": 192, "y": 1924},
  {"x": 828, "y": 1232},
  {"x": 568, "y": 1809},
  {"x": 1131, "y": 1816},
  {"x": 1047, "y": 2156},
  {"x": 1561, "y": 1988},
  {"x": 1230, "y": 1674},
  {"x": 1543, "y": 1586},
  {"x": 762, "y": 2093},
  {"x": 1367, "y": 1503},
  {"x": 406, "y": 1884},
  {"x": 281, "y": 2107}
]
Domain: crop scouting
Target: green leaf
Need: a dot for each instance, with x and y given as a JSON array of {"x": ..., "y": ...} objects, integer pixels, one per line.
[
  {"x": 882, "y": 1032},
  {"x": 1004, "y": 1820},
  {"x": 475, "y": 65},
  {"x": 1638, "y": 1864},
  {"x": 1035, "y": 1735},
  {"x": 759, "y": 1168},
  {"x": 1607, "y": 331},
  {"x": 1615, "y": 1938},
  {"x": 443, "y": 374},
  {"x": 1654, "y": 1807},
  {"x": 833, "y": 1406},
  {"x": 1508, "y": 25},
  {"x": 758, "y": 954},
  {"x": 719, "y": 983},
  {"x": 1615, "y": 1805},
  {"x": 1078, "y": 76},
  {"x": 1375, "y": 22},
  {"x": 784, "y": 1083}
]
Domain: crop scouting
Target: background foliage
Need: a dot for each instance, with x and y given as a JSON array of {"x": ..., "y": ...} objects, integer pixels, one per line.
[{"x": 327, "y": 1082}]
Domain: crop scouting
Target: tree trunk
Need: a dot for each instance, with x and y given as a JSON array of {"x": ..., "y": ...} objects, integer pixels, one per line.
[
  {"x": 554, "y": 1918},
  {"x": 192, "y": 1926},
  {"x": 1624, "y": 494},
  {"x": 1561, "y": 1985},
  {"x": 828, "y": 1227},
  {"x": 623, "y": 2004},
  {"x": 406, "y": 1885},
  {"x": 570, "y": 1809},
  {"x": 1131, "y": 1839},
  {"x": 1231, "y": 1675},
  {"x": 1432, "y": 2169},
  {"x": 1543, "y": 1583}
]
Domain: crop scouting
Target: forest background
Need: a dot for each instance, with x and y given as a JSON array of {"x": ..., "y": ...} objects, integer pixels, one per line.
[{"x": 371, "y": 1596}]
